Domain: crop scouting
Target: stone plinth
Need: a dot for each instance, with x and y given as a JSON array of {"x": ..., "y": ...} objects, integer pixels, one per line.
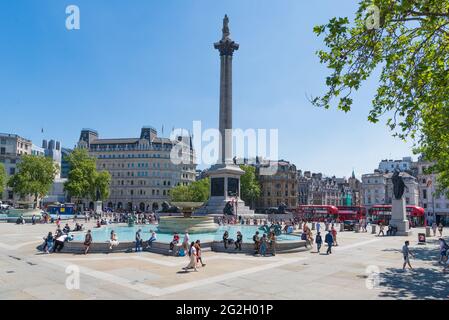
[
  {"x": 399, "y": 217},
  {"x": 225, "y": 187},
  {"x": 190, "y": 225},
  {"x": 98, "y": 207}
]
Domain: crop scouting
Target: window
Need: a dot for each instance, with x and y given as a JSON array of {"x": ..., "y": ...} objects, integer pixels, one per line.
[
  {"x": 424, "y": 194},
  {"x": 2, "y": 150},
  {"x": 12, "y": 171}
]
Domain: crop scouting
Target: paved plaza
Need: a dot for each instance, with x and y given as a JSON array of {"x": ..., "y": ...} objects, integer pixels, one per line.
[{"x": 26, "y": 273}]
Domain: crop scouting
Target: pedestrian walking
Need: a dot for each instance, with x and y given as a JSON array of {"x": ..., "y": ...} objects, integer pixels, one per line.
[
  {"x": 434, "y": 228},
  {"x": 440, "y": 229},
  {"x": 329, "y": 239},
  {"x": 381, "y": 229},
  {"x": 199, "y": 253},
  {"x": 406, "y": 253},
  {"x": 334, "y": 235},
  {"x": 444, "y": 247},
  {"x": 193, "y": 258},
  {"x": 318, "y": 241}
]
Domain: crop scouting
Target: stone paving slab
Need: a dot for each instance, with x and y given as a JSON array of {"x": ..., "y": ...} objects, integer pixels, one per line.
[{"x": 27, "y": 274}]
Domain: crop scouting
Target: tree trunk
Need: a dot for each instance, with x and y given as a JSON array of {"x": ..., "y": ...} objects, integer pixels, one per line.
[{"x": 35, "y": 201}]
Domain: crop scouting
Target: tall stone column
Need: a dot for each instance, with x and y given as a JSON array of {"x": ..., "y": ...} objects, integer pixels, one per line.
[
  {"x": 225, "y": 176},
  {"x": 226, "y": 47}
]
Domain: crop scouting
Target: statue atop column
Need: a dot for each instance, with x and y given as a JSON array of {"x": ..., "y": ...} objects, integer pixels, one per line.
[
  {"x": 226, "y": 46},
  {"x": 398, "y": 185},
  {"x": 226, "y": 32}
]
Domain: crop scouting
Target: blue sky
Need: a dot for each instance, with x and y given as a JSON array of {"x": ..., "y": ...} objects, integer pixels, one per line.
[{"x": 141, "y": 62}]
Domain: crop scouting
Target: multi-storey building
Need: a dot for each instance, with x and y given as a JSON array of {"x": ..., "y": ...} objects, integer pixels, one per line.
[
  {"x": 377, "y": 189},
  {"x": 12, "y": 147},
  {"x": 315, "y": 189},
  {"x": 278, "y": 188},
  {"x": 405, "y": 164},
  {"x": 436, "y": 205},
  {"x": 355, "y": 186},
  {"x": 143, "y": 169},
  {"x": 65, "y": 167}
]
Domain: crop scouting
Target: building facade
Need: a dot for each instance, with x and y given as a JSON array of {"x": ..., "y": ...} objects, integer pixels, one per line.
[
  {"x": 65, "y": 167},
  {"x": 315, "y": 189},
  {"x": 436, "y": 205},
  {"x": 12, "y": 148},
  {"x": 143, "y": 169},
  {"x": 404, "y": 165},
  {"x": 377, "y": 189},
  {"x": 278, "y": 188}
]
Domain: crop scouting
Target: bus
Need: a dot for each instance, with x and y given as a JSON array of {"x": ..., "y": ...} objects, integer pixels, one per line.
[
  {"x": 351, "y": 213},
  {"x": 317, "y": 212},
  {"x": 382, "y": 213}
]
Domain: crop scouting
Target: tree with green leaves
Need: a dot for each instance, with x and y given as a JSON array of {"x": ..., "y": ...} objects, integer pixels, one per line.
[
  {"x": 3, "y": 178},
  {"x": 250, "y": 187},
  {"x": 34, "y": 177},
  {"x": 84, "y": 181},
  {"x": 197, "y": 191},
  {"x": 408, "y": 42}
]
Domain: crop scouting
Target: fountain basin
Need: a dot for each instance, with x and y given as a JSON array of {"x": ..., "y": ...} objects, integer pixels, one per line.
[{"x": 187, "y": 224}]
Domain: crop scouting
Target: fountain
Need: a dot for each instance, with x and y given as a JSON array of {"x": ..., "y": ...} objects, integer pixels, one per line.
[{"x": 187, "y": 222}]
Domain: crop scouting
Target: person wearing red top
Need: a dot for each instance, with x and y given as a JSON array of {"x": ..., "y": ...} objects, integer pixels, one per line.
[
  {"x": 174, "y": 242},
  {"x": 334, "y": 235}
]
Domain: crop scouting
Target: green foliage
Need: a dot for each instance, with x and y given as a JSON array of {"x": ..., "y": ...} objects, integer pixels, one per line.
[
  {"x": 101, "y": 186},
  {"x": 35, "y": 176},
  {"x": 198, "y": 191},
  {"x": 410, "y": 48},
  {"x": 250, "y": 187},
  {"x": 84, "y": 181},
  {"x": 2, "y": 178}
]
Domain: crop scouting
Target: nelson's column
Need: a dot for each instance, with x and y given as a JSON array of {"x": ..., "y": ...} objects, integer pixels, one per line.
[{"x": 225, "y": 175}]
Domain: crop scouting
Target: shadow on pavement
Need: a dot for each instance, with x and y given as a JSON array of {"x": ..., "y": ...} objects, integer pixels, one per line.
[{"x": 420, "y": 283}]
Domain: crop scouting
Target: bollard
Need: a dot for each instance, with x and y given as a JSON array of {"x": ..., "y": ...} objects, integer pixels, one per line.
[
  {"x": 313, "y": 226},
  {"x": 342, "y": 227},
  {"x": 428, "y": 231},
  {"x": 373, "y": 229},
  {"x": 357, "y": 228}
]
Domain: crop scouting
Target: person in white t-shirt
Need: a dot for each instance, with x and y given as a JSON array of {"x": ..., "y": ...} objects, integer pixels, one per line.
[
  {"x": 193, "y": 258},
  {"x": 406, "y": 253}
]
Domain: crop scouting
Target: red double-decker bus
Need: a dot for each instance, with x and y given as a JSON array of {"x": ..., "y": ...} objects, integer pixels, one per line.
[
  {"x": 382, "y": 213},
  {"x": 355, "y": 213},
  {"x": 317, "y": 212}
]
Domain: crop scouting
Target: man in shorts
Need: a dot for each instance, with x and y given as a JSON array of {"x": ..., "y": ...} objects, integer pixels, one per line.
[{"x": 406, "y": 253}]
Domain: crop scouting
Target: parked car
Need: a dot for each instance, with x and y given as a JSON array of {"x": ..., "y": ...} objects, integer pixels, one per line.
[{"x": 349, "y": 225}]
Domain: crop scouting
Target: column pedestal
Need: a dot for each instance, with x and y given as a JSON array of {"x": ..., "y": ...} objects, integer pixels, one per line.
[
  {"x": 399, "y": 217},
  {"x": 225, "y": 187}
]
